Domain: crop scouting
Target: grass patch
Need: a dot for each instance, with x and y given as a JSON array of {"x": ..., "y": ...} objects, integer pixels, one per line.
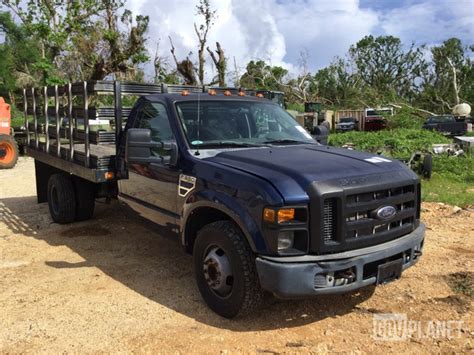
[
  {"x": 462, "y": 282},
  {"x": 398, "y": 143},
  {"x": 452, "y": 181}
]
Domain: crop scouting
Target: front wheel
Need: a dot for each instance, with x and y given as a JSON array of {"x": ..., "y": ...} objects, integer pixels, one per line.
[{"x": 225, "y": 270}]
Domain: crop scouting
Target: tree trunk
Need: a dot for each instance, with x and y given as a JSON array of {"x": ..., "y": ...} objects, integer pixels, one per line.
[
  {"x": 220, "y": 63},
  {"x": 455, "y": 82}
]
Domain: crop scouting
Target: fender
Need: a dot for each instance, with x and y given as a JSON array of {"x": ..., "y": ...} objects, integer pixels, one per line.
[{"x": 231, "y": 207}]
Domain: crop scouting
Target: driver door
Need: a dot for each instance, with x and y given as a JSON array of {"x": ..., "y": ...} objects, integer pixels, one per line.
[{"x": 151, "y": 189}]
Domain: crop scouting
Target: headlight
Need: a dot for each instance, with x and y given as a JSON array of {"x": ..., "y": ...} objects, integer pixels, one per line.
[{"x": 286, "y": 240}]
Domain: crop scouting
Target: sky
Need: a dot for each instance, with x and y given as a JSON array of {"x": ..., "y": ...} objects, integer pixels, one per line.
[{"x": 278, "y": 31}]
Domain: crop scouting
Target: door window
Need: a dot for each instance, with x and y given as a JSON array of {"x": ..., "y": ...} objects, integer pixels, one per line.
[{"x": 153, "y": 116}]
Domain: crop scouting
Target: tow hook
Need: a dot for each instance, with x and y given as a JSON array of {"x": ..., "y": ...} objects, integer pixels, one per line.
[{"x": 417, "y": 253}]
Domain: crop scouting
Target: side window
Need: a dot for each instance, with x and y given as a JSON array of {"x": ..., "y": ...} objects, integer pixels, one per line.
[{"x": 153, "y": 115}]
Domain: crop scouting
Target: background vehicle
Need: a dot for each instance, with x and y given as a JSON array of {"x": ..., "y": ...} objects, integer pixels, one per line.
[
  {"x": 374, "y": 119},
  {"x": 8, "y": 146},
  {"x": 347, "y": 124},
  {"x": 446, "y": 124},
  {"x": 259, "y": 204}
]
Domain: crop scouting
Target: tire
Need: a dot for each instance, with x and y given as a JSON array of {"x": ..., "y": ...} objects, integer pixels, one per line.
[
  {"x": 85, "y": 199},
  {"x": 427, "y": 167},
  {"x": 9, "y": 151},
  {"x": 61, "y": 198},
  {"x": 241, "y": 292}
]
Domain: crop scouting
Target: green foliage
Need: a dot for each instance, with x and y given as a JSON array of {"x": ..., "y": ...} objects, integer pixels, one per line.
[
  {"x": 439, "y": 92},
  {"x": 386, "y": 67},
  {"x": 399, "y": 143},
  {"x": 404, "y": 118},
  {"x": 20, "y": 60},
  {"x": 260, "y": 75},
  {"x": 295, "y": 107},
  {"x": 82, "y": 40}
]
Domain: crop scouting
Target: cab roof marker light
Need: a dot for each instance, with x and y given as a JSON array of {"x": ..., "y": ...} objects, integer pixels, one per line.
[
  {"x": 212, "y": 92},
  {"x": 241, "y": 93},
  {"x": 227, "y": 93},
  {"x": 184, "y": 93},
  {"x": 259, "y": 95}
]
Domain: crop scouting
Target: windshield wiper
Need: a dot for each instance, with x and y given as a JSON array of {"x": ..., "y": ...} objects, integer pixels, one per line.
[
  {"x": 228, "y": 144},
  {"x": 288, "y": 141}
]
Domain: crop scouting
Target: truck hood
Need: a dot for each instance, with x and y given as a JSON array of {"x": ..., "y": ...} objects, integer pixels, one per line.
[{"x": 290, "y": 169}]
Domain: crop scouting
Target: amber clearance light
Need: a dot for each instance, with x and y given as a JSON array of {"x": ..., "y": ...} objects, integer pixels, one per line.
[{"x": 283, "y": 215}]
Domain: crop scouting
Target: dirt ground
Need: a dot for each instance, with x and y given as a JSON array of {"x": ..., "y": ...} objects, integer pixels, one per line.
[{"x": 116, "y": 283}]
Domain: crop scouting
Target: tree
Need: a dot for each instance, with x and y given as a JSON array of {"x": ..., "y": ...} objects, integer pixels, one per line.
[
  {"x": 21, "y": 64},
  {"x": 451, "y": 77},
  {"x": 84, "y": 39},
  {"x": 338, "y": 84},
  {"x": 184, "y": 67},
  {"x": 220, "y": 63},
  {"x": 204, "y": 10},
  {"x": 299, "y": 89},
  {"x": 260, "y": 75},
  {"x": 384, "y": 66}
]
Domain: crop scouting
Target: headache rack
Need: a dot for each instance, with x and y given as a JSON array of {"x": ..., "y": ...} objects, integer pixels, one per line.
[{"x": 76, "y": 127}]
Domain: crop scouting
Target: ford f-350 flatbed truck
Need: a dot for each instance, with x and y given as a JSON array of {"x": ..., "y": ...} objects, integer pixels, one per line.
[{"x": 259, "y": 204}]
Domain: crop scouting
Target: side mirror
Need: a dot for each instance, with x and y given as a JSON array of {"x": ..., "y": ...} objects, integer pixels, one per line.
[{"x": 139, "y": 145}]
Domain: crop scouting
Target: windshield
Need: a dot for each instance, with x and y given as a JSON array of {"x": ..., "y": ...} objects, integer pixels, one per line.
[
  {"x": 380, "y": 112},
  {"x": 347, "y": 120},
  {"x": 441, "y": 119},
  {"x": 239, "y": 123}
]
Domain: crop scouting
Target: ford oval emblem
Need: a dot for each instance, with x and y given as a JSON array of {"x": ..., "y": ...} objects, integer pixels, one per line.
[{"x": 385, "y": 212}]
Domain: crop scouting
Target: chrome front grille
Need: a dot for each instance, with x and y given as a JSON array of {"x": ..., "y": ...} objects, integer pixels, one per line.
[{"x": 360, "y": 221}]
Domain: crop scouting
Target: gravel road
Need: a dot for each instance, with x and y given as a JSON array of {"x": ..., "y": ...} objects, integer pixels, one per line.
[{"x": 119, "y": 283}]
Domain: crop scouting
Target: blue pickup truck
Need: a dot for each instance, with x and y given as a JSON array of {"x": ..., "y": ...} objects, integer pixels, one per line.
[
  {"x": 259, "y": 204},
  {"x": 447, "y": 125}
]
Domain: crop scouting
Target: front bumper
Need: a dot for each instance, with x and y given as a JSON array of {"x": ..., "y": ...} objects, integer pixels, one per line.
[{"x": 309, "y": 275}]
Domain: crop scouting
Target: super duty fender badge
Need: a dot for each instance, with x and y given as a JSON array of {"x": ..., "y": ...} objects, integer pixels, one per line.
[
  {"x": 377, "y": 160},
  {"x": 186, "y": 185}
]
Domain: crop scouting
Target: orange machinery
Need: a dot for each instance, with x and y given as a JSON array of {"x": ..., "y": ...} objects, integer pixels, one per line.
[{"x": 8, "y": 145}]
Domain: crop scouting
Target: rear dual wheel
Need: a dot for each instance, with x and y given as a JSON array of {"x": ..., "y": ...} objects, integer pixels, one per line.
[
  {"x": 70, "y": 199},
  {"x": 8, "y": 151}
]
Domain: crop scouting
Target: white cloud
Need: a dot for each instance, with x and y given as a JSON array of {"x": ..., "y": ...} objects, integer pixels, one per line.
[
  {"x": 431, "y": 22},
  {"x": 279, "y": 30},
  {"x": 261, "y": 29}
]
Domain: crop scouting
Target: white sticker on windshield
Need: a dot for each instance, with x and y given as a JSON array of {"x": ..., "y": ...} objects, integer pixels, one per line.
[
  {"x": 302, "y": 130},
  {"x": 377, "y": 160},
  {"x": 197, "y": 142}
]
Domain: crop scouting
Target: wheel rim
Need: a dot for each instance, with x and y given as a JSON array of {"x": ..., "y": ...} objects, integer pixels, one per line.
[
  {"x": 7, "y": 153},
  {"x": 54, "y": 200},
  {"x": 218, "y": 272}
]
